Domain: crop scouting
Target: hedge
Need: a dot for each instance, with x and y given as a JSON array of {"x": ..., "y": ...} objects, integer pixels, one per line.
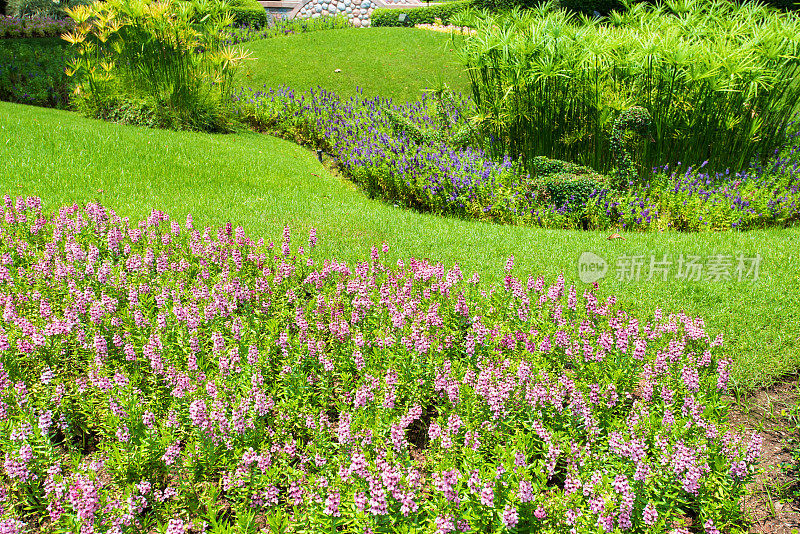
[
  {"x": 505, "y": 5},
  {"x": 418, "y": 15},
  {"x": 249, "y": 13}
]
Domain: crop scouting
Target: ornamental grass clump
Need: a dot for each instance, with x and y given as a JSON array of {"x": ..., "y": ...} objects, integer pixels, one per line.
[
  {"x": 718, "y": 82},
  {"x": 155, "y": 373},
  {"x": 160, "y": 63}
]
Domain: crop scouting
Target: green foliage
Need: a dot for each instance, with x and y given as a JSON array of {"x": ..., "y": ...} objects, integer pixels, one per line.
[
  {"x": 605, "y": 7},
  {"x": 43, "y": 8},
  {"x": 162, "y": 62},
  {"x": 637, "y": 120},
  {"x": 32, "y": 72},
  {"x": 720, "y": 81},
  {"x": 419, "y": 15},
  {"x": 588, "y": 7},
  {"x": 249, "y": 13},
  {"x": 504, "y": 5},
  {"x": 447, "y": 130},
  {"x": 280, "y": 27},
  {"x": 562, "y": 183}
]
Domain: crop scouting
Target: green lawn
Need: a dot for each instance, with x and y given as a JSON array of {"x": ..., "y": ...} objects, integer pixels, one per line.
[
  {"x": 396, "y": 62},
  {"x": 261, "y": 183}
]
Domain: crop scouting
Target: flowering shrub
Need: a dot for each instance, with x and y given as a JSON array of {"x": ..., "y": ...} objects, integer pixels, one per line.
[
  {"x": 431, "y": 176},
  {"x": 34, "y": 27},
  {"x": 160, "y": 373}
]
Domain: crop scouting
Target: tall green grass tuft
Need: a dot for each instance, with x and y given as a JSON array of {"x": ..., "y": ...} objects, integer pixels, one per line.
[
  {"x": 159, "y": 63},
  {"x": 720, "y": 81}
]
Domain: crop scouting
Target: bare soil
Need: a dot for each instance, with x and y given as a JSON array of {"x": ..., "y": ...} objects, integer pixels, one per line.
[{"x": 770, "y": 502}]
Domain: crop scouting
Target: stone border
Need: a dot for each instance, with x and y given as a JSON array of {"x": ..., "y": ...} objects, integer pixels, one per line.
[{"x": 358, "y": 11}]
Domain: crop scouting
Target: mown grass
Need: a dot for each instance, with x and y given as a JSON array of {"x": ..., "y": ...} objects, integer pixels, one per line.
[
  {"x": 391, "y": 62},
  {"x": 262, "y": 183}
]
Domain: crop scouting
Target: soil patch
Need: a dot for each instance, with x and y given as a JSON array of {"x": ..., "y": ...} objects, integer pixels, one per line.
[{"x": 770, "y": 501}]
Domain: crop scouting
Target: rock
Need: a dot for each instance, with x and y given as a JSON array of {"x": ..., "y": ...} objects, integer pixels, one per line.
[
  {"x": 365, "y": 4},
  {"x": 342, "y": 6},
  {"x": 318, "y": 9},
  {"x": 349, "y": 10},
  {"x": 356, "y": 12},
  {"x": 365, "y": 23},
  {"x": 337, "y": 70},
  {"x": 356, "y": 22}
]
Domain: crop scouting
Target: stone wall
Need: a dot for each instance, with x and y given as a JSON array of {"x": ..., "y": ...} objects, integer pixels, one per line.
[{"x": 358, "y": 11}]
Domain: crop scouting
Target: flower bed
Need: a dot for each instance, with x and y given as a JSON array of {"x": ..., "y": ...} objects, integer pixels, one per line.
[
  {"x": 156, "y": 372},
  {"x": 435, "y": 176},
  {"x": 11, "y": 27}
]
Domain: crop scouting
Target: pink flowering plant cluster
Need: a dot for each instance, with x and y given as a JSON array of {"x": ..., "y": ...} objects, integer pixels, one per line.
[{"x": 162, "y": 377}]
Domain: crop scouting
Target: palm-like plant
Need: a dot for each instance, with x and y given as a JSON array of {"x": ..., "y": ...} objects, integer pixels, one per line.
[
  {"x": 720, "y": 81},
  {"x": 166, "y": 54}
]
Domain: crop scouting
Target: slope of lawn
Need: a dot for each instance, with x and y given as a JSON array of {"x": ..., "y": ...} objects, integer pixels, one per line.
[
  {"x": 262, "y": 183},
  {"x": 396, "y": 62}
]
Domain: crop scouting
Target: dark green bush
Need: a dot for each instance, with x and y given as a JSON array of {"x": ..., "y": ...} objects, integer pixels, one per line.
[
  {"x": 2, "y": 7},
  {"x": 588, "y": 7},
  {"x": 249, "y": 13},
  {"x": 505, "y": 5},
  {"x": 32, "y": 72},
  {"x": 418, "y": 15},
  {"x": 562, "y": 183}
]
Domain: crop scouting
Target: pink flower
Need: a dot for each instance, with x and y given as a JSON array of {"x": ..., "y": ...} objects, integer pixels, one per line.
[
  {"x": 444, "y": 524},
  {"x": 173, "y": 451},
  {"x": 525, "y": 491},
  {"x": 649, "y": 515},
  {"x": 510, "y": 516},
  {"x": 332, "y": 504},
  {"x": 487, "y": 495},
  {"x": 540, "y": 513},
  {"x": 176, "y": 526}
]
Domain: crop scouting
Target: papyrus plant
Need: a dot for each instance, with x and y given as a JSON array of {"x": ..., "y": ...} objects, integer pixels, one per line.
[
  {"x": 164, "y": 59},
  {"x": 719, "y": 79}
]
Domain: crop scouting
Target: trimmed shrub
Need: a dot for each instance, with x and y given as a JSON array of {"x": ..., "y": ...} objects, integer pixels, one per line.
[
  {"x": 249, "y": 13},
  {"x": 562, "y": 183},
  {"x": 418, "y": 15},
  {"x": 505, "y": 5}
]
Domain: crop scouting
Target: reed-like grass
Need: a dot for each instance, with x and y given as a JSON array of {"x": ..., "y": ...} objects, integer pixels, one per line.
[
  {"x": 162, "y": 58},
  {"x": 719, "y": 79}
]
